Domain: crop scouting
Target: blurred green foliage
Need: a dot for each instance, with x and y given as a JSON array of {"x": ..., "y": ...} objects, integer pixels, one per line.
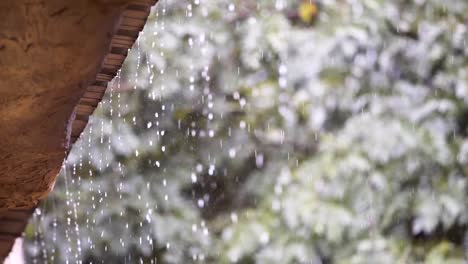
[{"x": 274, "y": 132}]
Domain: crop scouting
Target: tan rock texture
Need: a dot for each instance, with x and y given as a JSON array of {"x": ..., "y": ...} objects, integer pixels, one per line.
[{"x": 50, "y": 52}]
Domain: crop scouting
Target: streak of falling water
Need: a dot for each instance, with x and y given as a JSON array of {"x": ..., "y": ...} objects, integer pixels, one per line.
[
  {"x": 68, "y": 216},
  {"x": 41, "y": 253}
]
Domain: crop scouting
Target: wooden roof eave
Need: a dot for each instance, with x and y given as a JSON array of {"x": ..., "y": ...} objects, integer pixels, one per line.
[{"x": 132, "y": 21}]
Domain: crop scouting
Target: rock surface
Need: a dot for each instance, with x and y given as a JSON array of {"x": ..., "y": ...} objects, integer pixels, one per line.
[{"x": 49, "y": 52}]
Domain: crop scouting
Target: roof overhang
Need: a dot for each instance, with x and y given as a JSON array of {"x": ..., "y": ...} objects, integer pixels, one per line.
[{"x": 56, "y": 58}]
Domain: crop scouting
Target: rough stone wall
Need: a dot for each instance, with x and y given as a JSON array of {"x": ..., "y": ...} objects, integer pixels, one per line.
[{"x": 49, "y": 52}]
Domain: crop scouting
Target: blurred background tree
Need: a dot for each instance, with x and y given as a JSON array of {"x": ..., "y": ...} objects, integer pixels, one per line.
[{"x": 259, "y": 131}]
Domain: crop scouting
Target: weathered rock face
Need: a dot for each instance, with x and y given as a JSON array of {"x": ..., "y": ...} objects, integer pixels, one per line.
[{"x": 49, "y": 52}]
